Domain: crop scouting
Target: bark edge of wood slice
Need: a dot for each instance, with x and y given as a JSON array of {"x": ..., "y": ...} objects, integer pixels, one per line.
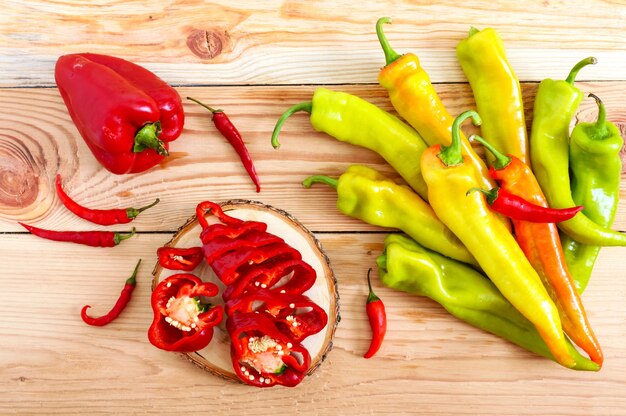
[{"x": 215, "y": 358}]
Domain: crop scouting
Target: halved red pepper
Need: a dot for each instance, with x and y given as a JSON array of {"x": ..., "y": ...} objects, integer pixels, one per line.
[
  {"x": 185, "y": 259},
  {"x": 262, "y": 355},
  {"x": 183, "y": 322},
  {"x": 271, "y": 275},
  {"x": 295, "y": 315},
  {"x": 125, "y": 113}
]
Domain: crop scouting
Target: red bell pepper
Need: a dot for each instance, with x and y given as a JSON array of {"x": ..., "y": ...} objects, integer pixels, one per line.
[
  {"x": 262, "y": 355},
  {"x": 185, "y": 259},
  {"x": 295, "y": 315},
  {"x": 182, "y": 322},
  {"x": 125, "y": 113}
]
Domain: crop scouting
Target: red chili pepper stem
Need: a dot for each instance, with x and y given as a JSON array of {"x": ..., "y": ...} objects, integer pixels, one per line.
[
  {"x": 501, "y": 161},
  {"x": 390, "y": 55},
  {"x": 119, "y": 306},
  {"x": 452, "y": 155},
  {"x": 148, "y": 138},
  {"x": 133, "y": 212},
  {"x": 308, "y": 182},
  {"x": 371, "y": 297},
  {"x": 580, "y": 65},
  {"x": 211, "y": 109},
  {"x": 119, "y": 237},
  {"x": 306, "y": 106}
]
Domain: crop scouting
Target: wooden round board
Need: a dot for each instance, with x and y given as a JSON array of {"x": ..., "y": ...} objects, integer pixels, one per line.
[{"x": 215, "y": 358}]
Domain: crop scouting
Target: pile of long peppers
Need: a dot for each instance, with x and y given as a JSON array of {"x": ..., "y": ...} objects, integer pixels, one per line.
[{"x": 502, "y": 267}]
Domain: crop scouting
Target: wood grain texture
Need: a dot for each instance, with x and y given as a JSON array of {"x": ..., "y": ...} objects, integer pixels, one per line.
[
  {"x": 255, "y": 59},
  {"x": 299, "y": 41},
  {"x": 430, "y": 363},
  {"x": 41, "y": 141}
]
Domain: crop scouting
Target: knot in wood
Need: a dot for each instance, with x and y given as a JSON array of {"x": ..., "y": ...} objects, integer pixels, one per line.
[{"x": 206, "y": 44}]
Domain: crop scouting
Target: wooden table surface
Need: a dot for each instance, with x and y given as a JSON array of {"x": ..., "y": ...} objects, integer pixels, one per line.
[{"x": 254, "y": 59}]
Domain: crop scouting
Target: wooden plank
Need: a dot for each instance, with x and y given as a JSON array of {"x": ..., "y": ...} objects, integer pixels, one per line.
[
  {"x": 51, "y": 361},
  {"x": 38, "y": 140},
  {"x": 294, "y": 41}
]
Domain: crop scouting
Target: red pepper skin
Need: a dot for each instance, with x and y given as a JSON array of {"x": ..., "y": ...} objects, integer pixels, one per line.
[
  {"x": 119, "y": 306},
  {"x": 110, "y": 100},
  {"x": 169, "y": 300},
  {"x": 517, "y": 208},
  {"x": 294, "y": 315},
  {"x": 242, "y": 326},
  {"x": 185, "y": 259},
  {"x": 99, "y": 216},
  {"x": 377, "y": 318},
  {"x": 88, "y": 238},
  {"x": 230, "y": 132}
]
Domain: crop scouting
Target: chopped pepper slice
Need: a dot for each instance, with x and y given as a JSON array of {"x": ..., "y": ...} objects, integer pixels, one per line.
[{"x": 183, "y": 322}]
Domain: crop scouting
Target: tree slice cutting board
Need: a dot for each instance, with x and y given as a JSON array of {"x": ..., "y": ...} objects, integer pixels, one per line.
[{"x": 215, "y": 358}]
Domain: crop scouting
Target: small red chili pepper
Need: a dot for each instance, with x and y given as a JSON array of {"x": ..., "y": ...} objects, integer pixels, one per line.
[
  {"x": 100, "y": 216},
  {"x": 517, "y": 208},
  {"x": 378, "y": 319},
  {"x": 230, "y": 132},
  {"x": 88, "y": 238},
  {"x": 186, "y": 259},
  {"x": 119, "y": 306}
]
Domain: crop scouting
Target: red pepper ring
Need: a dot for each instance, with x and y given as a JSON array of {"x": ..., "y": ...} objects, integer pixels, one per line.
[
  {"x": 229, "y": 231},
  {"x": 220, "y": 245},
  {"x": 295, "y": 315},
  {"x": 262, "y": 355},
  {"x": 182, "y": 322},
  {"x": 299, "y": 275},
  {"x": 229, "y": 267},
  {"x": 185, "y": 259},
  {"x": 217, "y": 211}
]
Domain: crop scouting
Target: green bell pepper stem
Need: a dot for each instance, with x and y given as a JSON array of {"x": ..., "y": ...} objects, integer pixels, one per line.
[
  {"x": 308, "y": 182},
  {"x": 390, "y": 55},
  {"x": 464, "y": 293},
  {"x": 148, "y": 138},
  {"x": 452, "y": 155},
  {"x": 501, "y": 161},
  {"x": 580, "y": 65},
  {"x": 306, "y": 106}
]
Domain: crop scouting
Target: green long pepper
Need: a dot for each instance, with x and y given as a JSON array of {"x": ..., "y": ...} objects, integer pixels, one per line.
[
  {"x": 367, "y": 195},
  {"x": 596, "y": 168},
  {"x": 464, "y": 293},
  {"x": 555, "y": 105},
  {"x": 351, "y": 119}
]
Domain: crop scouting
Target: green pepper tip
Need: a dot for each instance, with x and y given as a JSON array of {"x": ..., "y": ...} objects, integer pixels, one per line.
[
  {"x": 571, "y": 77},
  {"x": 501, "y": 160},
  {"x": 452, "y": 155},
  {"x": 308, "y": 182},
  {"x": 390, "y": 55},
  {"x": 306, "y": 106}
]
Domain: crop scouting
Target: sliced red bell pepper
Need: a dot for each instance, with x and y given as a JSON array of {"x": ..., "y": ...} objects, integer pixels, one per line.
[
  {"x": 230, "y": 266},
  {"x": 292, "y": 277},
  {"x": 262, "y": 355},
  {"x": 295, "y": 315},
  {"x": 182, "y": 321},
  {"x": 185, "y": 259},
  {"x": 217, "y": 246}
]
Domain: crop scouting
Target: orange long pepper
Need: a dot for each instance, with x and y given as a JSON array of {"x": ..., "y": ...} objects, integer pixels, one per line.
[{"x": 542, "y": 246}]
